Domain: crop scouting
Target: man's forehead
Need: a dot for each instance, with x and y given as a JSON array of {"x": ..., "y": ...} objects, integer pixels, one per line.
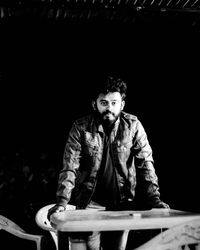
[{"x": 110, "y": 96}]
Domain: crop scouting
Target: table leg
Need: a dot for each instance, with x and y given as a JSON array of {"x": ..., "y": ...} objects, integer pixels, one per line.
[
  {"x": 63, "y": 241},
  {"x": 80, "y": 245}
]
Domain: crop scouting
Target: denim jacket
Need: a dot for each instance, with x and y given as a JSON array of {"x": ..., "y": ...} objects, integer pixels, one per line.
[{"x": 132, "y": 160}]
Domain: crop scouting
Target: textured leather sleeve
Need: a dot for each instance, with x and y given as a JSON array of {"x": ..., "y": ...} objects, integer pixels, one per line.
[
  {"x": 147, "y": 179},
  {"x": 71, "y": 162}
]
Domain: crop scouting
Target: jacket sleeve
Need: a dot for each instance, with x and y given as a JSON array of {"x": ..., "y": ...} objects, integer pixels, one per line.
[
  {"x": 71, "y": 162},
  {"x": 147, "y": 179}
]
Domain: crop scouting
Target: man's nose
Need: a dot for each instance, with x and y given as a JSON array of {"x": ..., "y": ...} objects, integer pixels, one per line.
[{"x": 109, "y": 107}]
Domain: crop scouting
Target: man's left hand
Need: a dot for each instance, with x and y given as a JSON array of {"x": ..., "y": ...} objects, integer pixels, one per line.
[{"x": 161, "y": 204}]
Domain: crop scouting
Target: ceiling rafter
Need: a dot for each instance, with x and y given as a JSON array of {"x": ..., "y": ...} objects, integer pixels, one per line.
[{"x": 120, "y": 10}]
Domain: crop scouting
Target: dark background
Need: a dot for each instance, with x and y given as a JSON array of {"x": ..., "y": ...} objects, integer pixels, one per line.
[{"x": 48, "y": 71}]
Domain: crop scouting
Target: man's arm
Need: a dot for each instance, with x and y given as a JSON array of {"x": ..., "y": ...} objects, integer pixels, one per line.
[
  {"x": 146, "y": 175},
  {"x": 67, "y": 175},
  {"x": 71, "y": 161}
]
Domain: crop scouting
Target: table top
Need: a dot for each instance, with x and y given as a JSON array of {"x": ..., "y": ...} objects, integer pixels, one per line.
[{"x": 100, "y": 220}]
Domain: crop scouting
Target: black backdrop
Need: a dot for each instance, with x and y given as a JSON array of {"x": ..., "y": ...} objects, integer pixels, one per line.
[{"x": 48, "y": 70}]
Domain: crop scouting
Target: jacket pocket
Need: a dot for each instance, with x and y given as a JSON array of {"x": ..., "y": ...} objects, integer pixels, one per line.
[
  {"x": 91, "y": 147},
  {"x": 123, "y": 150}
]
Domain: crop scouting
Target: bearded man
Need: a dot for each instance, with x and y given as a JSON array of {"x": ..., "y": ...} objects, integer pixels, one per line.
[{"x": 108, "y": 162}]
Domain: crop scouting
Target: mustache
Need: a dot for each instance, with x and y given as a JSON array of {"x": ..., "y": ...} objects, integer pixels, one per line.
[{"x": 107, "y": 112}]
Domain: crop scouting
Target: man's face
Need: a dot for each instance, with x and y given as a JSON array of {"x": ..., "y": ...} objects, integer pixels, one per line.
[{"x": 109, "y": 106}]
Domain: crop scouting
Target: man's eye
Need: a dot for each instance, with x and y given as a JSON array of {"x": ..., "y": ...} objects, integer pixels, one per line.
[
  {"x": 113, "y": 103},
  {"x": 103, "y": 103}
]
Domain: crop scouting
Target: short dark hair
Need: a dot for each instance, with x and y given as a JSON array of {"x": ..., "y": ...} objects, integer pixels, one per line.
[{"x": 111, "y": 84}]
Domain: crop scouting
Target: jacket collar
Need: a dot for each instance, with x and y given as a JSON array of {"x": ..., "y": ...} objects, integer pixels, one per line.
[{"x": 98, "y": 128}]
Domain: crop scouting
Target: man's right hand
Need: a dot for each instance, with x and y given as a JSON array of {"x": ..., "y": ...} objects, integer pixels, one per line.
[{"x": 55, "y": 209}]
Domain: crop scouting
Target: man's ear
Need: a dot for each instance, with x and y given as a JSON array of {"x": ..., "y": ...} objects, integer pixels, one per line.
[
  {"x": 122, "y": 105},
  {"x": 94, "y": 105}
]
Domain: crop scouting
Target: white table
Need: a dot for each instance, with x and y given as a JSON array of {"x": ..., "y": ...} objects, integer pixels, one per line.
[{"x": 92, "y": 220}]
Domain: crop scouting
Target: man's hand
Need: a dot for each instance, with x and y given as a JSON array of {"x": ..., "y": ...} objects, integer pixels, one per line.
[
  {"x": 161, "y": 204},
  {"x": 55, "y": 209}
]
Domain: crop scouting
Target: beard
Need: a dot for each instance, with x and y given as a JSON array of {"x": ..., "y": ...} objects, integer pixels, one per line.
[{"x": 107, "y": 118}]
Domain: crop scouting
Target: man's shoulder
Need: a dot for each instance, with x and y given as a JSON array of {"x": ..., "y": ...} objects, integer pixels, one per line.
[
  {"x": 81, "y": 121},
  {"x": 129, "y": 116},
  {"x": 130, "y": 120}
]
